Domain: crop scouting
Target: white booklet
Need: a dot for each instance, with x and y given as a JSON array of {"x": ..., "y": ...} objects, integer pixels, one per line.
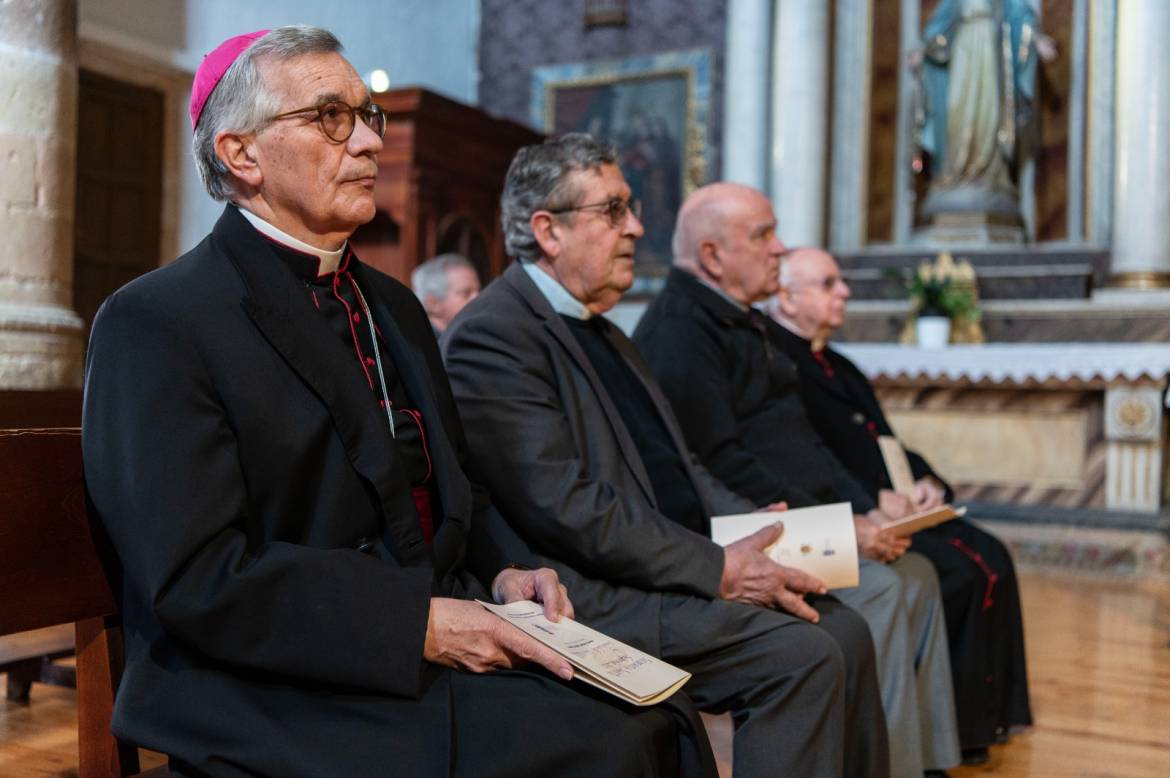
[
  {"x": 820, "y": 540},
  {"x": 597, "y": 659},
  {"x": 897, "y": 465}
]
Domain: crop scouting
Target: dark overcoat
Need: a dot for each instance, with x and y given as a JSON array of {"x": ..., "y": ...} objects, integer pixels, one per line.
[{"x": 736, "y": 396}]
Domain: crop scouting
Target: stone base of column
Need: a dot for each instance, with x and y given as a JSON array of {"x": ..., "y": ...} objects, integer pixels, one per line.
[
  {"x": 40, "y": 347},
  {"x": 1140, "y": 280}
]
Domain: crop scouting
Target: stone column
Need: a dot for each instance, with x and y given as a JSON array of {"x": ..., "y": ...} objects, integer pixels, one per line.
[
  {"x": 1141, "y": 216},
  {"x": 848, "y": 169},
  {"x": 40, "y": 335},
  {"x": 1135, "y": 438},
  {"x": 745, "y": 98},
  {"x": 800, "y": 120}
]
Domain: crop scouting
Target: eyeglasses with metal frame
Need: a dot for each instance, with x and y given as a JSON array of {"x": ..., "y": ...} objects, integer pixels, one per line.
[
  {"x": 337, "y": 119},
  {"x": 615, "y": 209}
]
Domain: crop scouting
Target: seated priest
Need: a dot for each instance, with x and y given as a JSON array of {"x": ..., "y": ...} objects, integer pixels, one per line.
[
  {"x": 271, "y": 443},
  {"x": 444, "y": 284},
  {"x": 980, "y": 592},
  {"x": 735, "y": 396},
  {"x": 581, "y": 452}
]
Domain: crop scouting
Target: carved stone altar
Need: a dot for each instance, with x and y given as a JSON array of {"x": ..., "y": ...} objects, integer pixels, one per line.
[{"x": 1073, "y": 425}]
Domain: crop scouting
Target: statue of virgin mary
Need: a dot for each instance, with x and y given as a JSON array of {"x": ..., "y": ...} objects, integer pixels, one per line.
[{"x": 977, "y": 87}]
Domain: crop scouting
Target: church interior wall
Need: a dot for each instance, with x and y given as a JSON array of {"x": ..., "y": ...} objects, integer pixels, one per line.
[
  {"x": 519, "y": 35},
  {"x": 429, "y": 43}
]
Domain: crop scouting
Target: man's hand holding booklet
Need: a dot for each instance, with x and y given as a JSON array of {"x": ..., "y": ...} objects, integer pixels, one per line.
[
  {"x": 818, "y": 540},
  {"x": 821, "y": 540},
  {"x": 599, "y": 660},
  {"x": 902, "y": 479}
]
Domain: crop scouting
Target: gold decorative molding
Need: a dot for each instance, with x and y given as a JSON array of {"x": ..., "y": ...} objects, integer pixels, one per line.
[{"x": 1140, "y": 280}]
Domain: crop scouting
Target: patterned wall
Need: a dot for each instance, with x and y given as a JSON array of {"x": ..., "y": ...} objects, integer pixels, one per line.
[
  {"x": 995, "y": 409},
  {"x": 519, "y": 35}
]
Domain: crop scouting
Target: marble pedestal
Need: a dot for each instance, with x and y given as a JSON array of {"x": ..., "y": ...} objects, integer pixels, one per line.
[{"x": 969, "y": 215}]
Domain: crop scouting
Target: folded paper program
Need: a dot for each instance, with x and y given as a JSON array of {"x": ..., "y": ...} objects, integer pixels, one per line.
[{"x": 598, "y": 659}]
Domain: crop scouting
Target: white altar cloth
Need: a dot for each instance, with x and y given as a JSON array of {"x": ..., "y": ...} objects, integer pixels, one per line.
[{"x": 1012, "y": 362}]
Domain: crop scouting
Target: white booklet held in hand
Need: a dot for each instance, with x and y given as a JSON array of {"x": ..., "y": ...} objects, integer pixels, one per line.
[
  {"x": 597, "y": 659},
  {"x": 820, "y": 540}
]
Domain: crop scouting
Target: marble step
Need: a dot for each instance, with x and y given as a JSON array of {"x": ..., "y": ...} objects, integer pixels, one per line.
[{"x": 1068, "y": 274}]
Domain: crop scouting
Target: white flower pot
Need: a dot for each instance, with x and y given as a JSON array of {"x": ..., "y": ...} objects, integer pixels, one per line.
[{"x": 933, "y": 331}]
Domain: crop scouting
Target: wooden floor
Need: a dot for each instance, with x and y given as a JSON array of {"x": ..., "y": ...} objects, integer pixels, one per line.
[{"x": 1099, "y": 657}]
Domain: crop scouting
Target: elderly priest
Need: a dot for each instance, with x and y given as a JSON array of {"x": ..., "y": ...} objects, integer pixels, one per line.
[
  {"x": 980, "y": 591},
  {"x": 577, "y": 444},
  {"x": 272, "y": 445},
  {"x": 739, "y": 406}
]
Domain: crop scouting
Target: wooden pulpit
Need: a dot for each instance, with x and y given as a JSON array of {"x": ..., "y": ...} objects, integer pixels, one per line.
[{"x": 440, "y": 175}]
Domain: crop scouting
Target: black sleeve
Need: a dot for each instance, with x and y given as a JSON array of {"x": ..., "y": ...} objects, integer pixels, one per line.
[
  {"x": 700, "y": 391},
  {"x": 528, "y": 455},
  {"x": 163, "y": 469}
]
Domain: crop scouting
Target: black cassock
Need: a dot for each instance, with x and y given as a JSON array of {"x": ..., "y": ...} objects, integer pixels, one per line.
[
  {"x": 281, "y": 549},
  {"x": 980, "y": 591}
]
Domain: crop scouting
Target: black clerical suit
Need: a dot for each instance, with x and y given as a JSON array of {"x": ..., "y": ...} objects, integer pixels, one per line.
[
  {"x": 277, "y": 577},
  {"x": 736, "y": 398},
  {"x": 544, "y": 414},
  {"x": 978, "y": 580}
]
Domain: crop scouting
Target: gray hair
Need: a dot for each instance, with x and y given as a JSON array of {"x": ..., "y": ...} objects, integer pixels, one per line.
[
  {"x": 242, "y": 102},
  {"x": 538, "y": 178},
  {"x": 430, "y": 278}
]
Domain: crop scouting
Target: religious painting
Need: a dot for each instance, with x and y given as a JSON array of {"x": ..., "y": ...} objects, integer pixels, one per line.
[{"x": 654, "y": 110}]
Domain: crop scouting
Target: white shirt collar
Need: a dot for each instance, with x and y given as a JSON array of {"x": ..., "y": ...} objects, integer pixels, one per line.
[
  {"x": 328, "y": 258},
  {"x": 558, "y": 296}
]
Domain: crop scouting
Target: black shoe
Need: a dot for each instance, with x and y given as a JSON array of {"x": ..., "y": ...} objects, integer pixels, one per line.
[
  {"x": 976, "y": 756},
  {"x": 935, "y": 774}
]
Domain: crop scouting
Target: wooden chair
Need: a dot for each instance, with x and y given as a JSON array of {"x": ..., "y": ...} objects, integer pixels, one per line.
[{"x": 56, "y": 567}]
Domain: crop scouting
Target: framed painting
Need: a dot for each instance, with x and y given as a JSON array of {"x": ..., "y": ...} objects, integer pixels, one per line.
[{"x": 654, "y": 109}]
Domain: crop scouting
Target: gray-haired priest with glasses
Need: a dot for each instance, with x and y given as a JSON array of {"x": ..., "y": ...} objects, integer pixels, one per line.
[
  {"x": 581, "y": 451},
  {"x": 272, "y": 446}
]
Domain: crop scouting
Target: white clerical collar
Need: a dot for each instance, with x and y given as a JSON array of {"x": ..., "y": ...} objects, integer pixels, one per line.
[
  {"x": 328, "y": 258},
  {"x": 558, "y": 296}
]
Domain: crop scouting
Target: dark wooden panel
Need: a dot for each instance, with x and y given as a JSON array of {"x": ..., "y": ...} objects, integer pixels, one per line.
[
  {"x": 442, "y": 164},
  {"x": 886, "y": 64},
  {"x": 1053, "y": 86},
  {"x": 119, "y": 187},
  {"x": 52, "y": 408},
  {"x": 50, "y": 568}
]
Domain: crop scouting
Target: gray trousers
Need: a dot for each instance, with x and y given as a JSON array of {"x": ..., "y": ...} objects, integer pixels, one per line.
[
  {"x": 903, "y": 607},
  {"x": 804, "y": 698}
]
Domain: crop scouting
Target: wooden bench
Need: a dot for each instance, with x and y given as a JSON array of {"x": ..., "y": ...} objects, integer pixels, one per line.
[
  {"x": 27, "y": 657},
  {"x": 55, "y": 568}
]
